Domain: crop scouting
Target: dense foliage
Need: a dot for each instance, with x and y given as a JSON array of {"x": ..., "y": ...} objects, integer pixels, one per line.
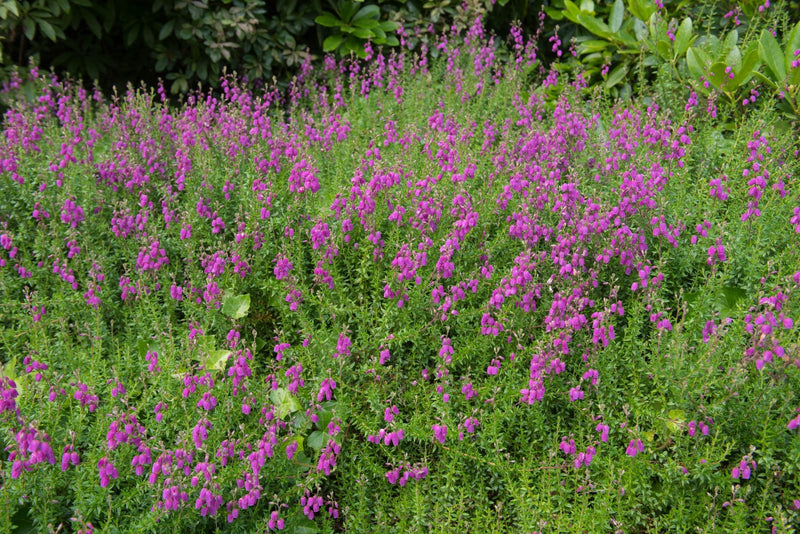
[
  {"x": 463, "y": 293},
  {"x": 622, "y": 43}
]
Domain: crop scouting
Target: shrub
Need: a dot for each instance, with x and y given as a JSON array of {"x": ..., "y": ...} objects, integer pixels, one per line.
[{"x": 401, "y": 295}]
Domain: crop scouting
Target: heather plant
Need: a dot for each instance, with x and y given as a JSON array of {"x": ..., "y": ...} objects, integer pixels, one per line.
[{"x": 402, "y": 295}]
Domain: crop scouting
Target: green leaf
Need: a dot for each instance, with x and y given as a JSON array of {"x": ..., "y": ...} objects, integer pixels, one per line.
[
  {"x": 658, "y": 30},
  {"x": 765, "y": 80},
  {"x": 640, "y": 29},
  {"x": 683, "y": 37},
  {"x": 696, "y": 62},
  {"x": 642, "y": 9},
  {"x": 7, "y": 369},
  {"x": 93, "y": 24},
  {"x": 554, "y": 14},
  {"x": 368, "y": 24},
  {"x": 616, "y": 75},
  {"x": 717, "y": 75},
  {"x": 792, "y": 44},
  {"x": 317, "y": 440},
  {"x": 594, "y": 25},
  {"x": 663, "y": 49},
  {"x": 332, "y": 42},
  {"x": 730, "y": 297},
  {"x": 29, "y": 28},
  {"x": 595, "y": 45},
  {"x": 284, "y": 402},
  {"x": 217, "y": 360},
  {"x": 347, "y": 9},
  {"x": 206, "y": 343},
  {"x": 329, "y": 21},
  {"x": 617, "y": 13},
  {"x": 675, "y": 420},
  {"x": 143, "y": 346},
  {"x": 744, "y": 72},
  {"x": 734, "y": 57},
  {"x": 300, "y": 524},
  {"x": 772, "y": 55},
  {"x": 628, "y": 40},
  {"x": 236, "y": 306},
  {"x": 166, "y": 30},
  {"x": 352, "y": 44},
  {"x": 370, "y": 11},
  {"x": 572, "y": 11},
  {"x": 389, "y": 26},
  {"x": 131, "y": 36},
  {"x": 325, "y": 414},
  {"x": 162, "y": 63},
  {"x": 363, "y": 33},
  {"x": 731, "y": 40}
]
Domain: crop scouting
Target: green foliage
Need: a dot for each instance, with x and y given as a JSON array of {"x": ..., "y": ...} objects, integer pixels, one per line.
[
  {"x": 185, "y": 41},
  {"x": 354, "y": 24},
  {"x": 619, "y": 192},
  {"x": 627, "y": 37}
]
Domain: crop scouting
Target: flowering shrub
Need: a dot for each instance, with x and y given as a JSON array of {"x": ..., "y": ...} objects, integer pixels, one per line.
[{"x": 397, "y": 296}]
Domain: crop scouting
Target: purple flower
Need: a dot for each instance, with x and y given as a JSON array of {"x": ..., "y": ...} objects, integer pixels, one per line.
[
  {"x": 440, "y": 432},
  {"x": 343, "y": 346},
  {"x": 282, "y": 267},
  {"x": 634, "y": 447}
]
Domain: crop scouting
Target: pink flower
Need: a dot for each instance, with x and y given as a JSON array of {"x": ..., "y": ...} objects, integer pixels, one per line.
[{"x": 440, "y": 433}]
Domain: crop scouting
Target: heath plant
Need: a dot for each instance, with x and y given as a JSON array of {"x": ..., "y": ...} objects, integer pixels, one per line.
[{"x": 403, "y": 295}]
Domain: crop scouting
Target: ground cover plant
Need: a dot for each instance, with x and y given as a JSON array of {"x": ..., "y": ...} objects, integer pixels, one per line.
[{"x": 459, "y": 295}]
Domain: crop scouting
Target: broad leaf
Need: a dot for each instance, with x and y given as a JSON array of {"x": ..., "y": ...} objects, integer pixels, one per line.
[
  {"x": 332, "y": 43},
  {"x": 696, "y": 62},
  {"x": 317, "y": 440},
  {"x": 640, "y": 30},
  {"x": 617, "y": 13},
  {"x": 370, "y": 11},
  {"x": 731, "y": 40},
  {"x": 594, "y": 25},
  {"x": 368, "y": 24},
  {"x": 772, "y": 55},
  {"x": 329, "y": 21},
  {"x": 236, "y": 306},
  {"x": 759, "y": 76},
  {"x": 675, "y": 420},
  {"x": 616, "y": 76},
  {"x": 389, "y": 26},
  {"x": 642, "y": 9},
  {"x": 206, "y": 344},
  {"x": 683, "y": 37},
  {"x": 595, "y": 45},
  {"x": 284, "y": 402},
  {"x": 571, "y": 11},
  {"x": 93, "y": 24},
  {"x": 717, "y": 75},
  {"x": 217, "y": 359},
  {"x": 744, "y": 72},
  {"x": 363, "y": 33},
  {"x": 166, "y": 30},
  {"x": 554, "y": 14},
  {"x": 734, "y": 57},
  {"x": 29, "y": 28},
  {"x": 792, "y": 44}
]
